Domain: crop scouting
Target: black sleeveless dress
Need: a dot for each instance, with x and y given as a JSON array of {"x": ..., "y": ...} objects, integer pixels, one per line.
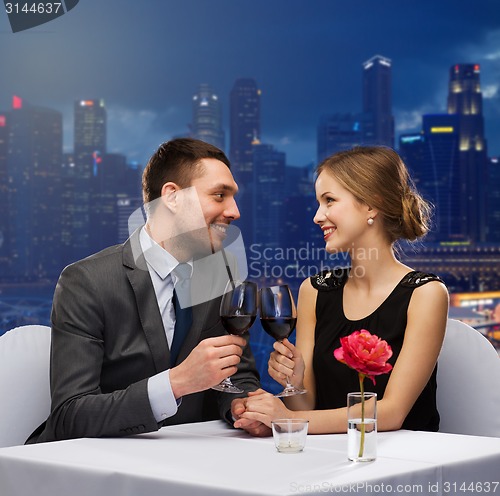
[{"x": 334, "y": 379}]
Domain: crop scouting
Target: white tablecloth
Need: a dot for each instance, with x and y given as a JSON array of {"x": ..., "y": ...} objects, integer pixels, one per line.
[{"x": 212, "y": 459}]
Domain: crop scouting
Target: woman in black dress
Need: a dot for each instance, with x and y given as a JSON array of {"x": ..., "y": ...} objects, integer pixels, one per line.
[{"x": 366, "y": 203}]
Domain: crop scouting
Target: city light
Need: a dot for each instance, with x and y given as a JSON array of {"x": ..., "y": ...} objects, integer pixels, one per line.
[
  {"x": 412, "y": 139},
  {"x": 444, "y": 129},
  {"x": 17, "y": 103}
]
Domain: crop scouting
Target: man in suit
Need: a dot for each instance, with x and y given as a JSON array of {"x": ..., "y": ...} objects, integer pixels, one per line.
[{"x": 118, "y": 366}]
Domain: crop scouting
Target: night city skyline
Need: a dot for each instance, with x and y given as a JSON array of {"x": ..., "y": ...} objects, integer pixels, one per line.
[
  {"x": 307, "y": 61},
  {"x": 277, "y": 207}
]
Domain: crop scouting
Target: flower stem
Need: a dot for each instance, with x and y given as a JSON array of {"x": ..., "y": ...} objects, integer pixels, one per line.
[{"x": 362, "y": 389}]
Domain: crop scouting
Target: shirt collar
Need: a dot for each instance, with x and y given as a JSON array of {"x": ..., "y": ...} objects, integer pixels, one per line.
[{"x": 159, "y": 259}]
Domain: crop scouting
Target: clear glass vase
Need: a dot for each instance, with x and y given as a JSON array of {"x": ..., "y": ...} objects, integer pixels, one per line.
[{"x": 362, "y": 426}]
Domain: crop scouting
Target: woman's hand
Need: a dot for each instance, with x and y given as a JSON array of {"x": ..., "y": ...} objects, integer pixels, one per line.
[
  {"x": 264, "y": 407},
  {"x": 286, "y": 361},
  {"x": 253, "y": 427}
]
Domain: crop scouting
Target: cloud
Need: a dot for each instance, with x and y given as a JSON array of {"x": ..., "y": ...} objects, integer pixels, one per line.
[
  {"x": 411, "y": 120},
  {"x": 486, "y": 53},
  {"x": 408, "y": 120},
  {"x": 138, "y": 133},
  {"x": 490, "y": 91},
  {"x": 493, "y": 56},
  {"x": 491, "y": 43}
]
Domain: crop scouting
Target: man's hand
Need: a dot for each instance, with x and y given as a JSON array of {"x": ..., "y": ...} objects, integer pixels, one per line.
[
  {"x": 209, "y": 363},
  {"x": 253, "y": 427}
]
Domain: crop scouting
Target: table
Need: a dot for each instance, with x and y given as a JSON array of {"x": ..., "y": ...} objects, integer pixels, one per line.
[{"x": 211, "y": 458}]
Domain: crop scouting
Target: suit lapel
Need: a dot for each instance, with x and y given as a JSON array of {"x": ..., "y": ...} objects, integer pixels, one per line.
[{"x": 147, "y": 305}]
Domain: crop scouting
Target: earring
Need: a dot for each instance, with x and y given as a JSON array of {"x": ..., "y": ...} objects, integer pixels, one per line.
[{"x": 370, "y": 221}]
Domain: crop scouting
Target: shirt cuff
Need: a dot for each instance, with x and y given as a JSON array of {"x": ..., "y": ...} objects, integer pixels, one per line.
[
  {"x": 161, "y": 398},
  {"x": 229, "y": 418}
]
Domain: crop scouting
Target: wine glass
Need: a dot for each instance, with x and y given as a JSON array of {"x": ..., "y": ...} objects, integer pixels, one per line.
[
  {"x": 238, "y": 310},
  {"x": 278, "y": 316}
]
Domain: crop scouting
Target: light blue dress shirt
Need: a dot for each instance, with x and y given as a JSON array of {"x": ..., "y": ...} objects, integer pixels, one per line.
[{"x": 160, "y": 266}]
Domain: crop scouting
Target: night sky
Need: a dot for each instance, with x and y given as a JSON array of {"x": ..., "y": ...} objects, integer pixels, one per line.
[{"x": 147, "y": 57}]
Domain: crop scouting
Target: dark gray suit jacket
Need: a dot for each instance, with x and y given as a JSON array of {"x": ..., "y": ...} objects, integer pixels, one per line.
[{"x": 108, "y": 339}]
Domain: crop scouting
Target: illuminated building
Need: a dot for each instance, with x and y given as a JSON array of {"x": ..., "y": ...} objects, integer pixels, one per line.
[
  {"x": 89, "y": 139},
  {"x": 108, "y": 184},
  {"x": 207, "y": 117},
  {"x": 130, "y": 215},
  {"x": 432, "y": 157},
  {"x": 377, "y": 101},
  {"x": 441, "y": 180},
  {"x": 244, "y": 134},
  {"x": 493, "y": 199},
  {"x": 299, "y": 208},
  {"x": 338, "y": 132},
  {"x": 373, "y": 126},
  {"x": 465, "y": 100},
  {"x": 411, "y": 149},
  {"x": 464, "y": 266},
  {"x": 34, "y": 169},
  {"x": 268, "y": 195},
  {"x": 448, "y": 160},
  {"x": 244, "y": 127},
  {"x": 4, "y": 179},
  {"x": 90, "y": 128}
]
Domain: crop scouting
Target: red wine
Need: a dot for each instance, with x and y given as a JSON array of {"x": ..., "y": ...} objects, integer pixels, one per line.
[
  {"x": 237, "y": 324},
  {"x": 279, "y": 327}
]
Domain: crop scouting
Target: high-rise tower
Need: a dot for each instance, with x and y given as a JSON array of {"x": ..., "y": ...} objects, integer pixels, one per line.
[
  {"x": 207, "y": 117},
  {"x": 465, "y": 100},
  {"x": 245, "y": 133},
  {"x": 108, "y": 187},
  {"x": 268, "y": 195},
  {"x": 493, "y": 199},
  {"x": 439, "y": 181},
  {"x": 244, "y": 127},
  {"x": 338, "y": 132},
  {"x": 90, "y": 128},
  {"x": 377, "y": 101},
  {"x": 89, "y": 141},
  {"x": 34, "y": 168},
  {"x": 4, "y": 182}
]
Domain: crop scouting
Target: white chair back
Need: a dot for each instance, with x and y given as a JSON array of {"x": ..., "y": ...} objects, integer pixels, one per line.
[
  {"x": 24, "y": 382},
  {"x": 468, "y": 383}
]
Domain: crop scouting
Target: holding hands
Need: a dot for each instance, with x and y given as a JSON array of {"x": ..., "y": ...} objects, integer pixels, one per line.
[
  {"x": 252, "y": 425},
  {"x": 262, "y": 407},
  {"x": 255, "y": 413}
]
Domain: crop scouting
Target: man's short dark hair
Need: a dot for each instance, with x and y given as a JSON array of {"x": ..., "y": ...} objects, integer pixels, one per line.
[{"x": 177, "y": 161}]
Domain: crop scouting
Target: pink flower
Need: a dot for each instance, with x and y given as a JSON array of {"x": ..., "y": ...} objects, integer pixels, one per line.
[{"x": 366, "y": 353}]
